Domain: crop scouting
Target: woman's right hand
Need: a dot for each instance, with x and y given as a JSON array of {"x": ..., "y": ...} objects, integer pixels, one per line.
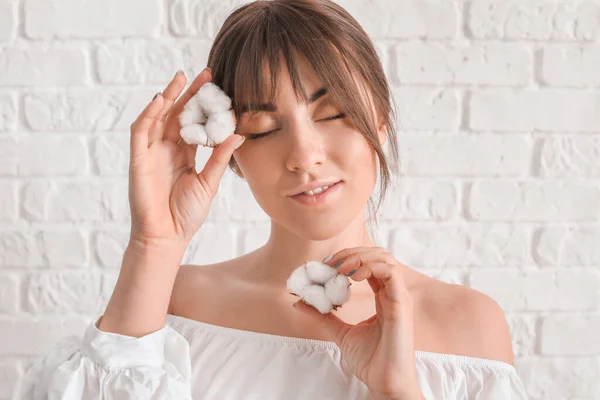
[{"x": 168, "y": 200}]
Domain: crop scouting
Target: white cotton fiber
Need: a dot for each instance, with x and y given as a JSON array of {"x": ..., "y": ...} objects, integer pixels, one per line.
[
  {"x": 212, "y": 98},
  {"x": 319, "y": 285},
  {"x": 220, "y": 125},
  {"x": 206, "y": 119},
  {"x": 336, "y": 289},
  {"x": 316, "y": 297},
  {"x": 195, "y": 134},
  {"x": 319, "y": 272},
  {"x": 192, "y": 113},
  {"x": 298, "y": 280}
]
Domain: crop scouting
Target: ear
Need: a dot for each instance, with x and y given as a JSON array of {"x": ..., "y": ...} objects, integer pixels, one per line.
[{"x": 382, "y": 133}]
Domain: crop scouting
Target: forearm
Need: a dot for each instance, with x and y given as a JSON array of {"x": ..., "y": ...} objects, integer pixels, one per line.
[
  {"x": 414, "y": 394},
  {"x": 139, "y": 302}
]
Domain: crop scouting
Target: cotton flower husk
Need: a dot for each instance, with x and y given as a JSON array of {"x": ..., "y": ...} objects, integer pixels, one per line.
[{"x": 320, "y": 286}]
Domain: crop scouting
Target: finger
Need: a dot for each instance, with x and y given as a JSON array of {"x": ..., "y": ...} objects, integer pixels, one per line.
[
  {"x": 357, "y": 259},
  {"x": 345, "y": 253},
  {"x": 172, "y": 126},
  {"x": 169, "y": 95},
  {"x": 390, "y": 278},
  {"x": 213, "y": 171},
  {"x": 140, "y": 128}
]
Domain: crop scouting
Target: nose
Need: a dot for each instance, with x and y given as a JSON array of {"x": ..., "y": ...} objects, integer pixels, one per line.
[{"x": 306, "y": 148}]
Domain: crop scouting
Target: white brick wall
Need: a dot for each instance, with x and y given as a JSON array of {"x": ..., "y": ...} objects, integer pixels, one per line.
[{"x": 500, "y": 120}]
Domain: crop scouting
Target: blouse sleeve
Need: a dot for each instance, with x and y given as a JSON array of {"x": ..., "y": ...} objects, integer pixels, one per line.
[
  {"x": 447, "y": 381},
  {"x": 111, "y": 365}
]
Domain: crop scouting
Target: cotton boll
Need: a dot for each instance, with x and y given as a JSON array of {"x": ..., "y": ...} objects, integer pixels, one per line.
[
  {"x": 213, "y": 99},
  {"x": 337, "y": 289},
  {"x": 319, "y": 285},
  {"x": 220, "y": 126},
  {"x": 298, "y": 280},
  {"x": 316, "y": 297},
  {"x": 192, "y": 113},
  {"x": 194, "y": 134},
  {"x": 319, "y": 272}
]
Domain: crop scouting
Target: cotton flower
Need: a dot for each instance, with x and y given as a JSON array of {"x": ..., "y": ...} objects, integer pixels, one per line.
[
  {"x": 320, "y": 286},
  {"x": 206, "y": 119}
]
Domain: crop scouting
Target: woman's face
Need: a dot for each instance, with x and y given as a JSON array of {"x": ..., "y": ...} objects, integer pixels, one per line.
[{"x": 306, "y": 146}]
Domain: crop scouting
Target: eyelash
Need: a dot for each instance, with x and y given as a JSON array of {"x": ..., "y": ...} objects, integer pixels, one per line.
[{"x": 255, "y": 136}]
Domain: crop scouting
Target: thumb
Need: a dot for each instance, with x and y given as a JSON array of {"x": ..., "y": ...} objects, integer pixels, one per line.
[
  {"x": 330, "y": 322},
  {"x": 215, "y": 167}
]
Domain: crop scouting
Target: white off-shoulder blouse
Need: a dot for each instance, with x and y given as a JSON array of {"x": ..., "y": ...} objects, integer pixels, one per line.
[{"x": 188, "y": 359}]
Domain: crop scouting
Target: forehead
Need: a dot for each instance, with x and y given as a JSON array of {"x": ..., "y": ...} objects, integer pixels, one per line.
[{"x": 309, "y": 80}]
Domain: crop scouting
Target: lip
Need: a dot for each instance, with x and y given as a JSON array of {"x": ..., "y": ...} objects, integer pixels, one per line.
[
  {"x": 312, "y": 186},
  {"x": 319, "y": 198}
]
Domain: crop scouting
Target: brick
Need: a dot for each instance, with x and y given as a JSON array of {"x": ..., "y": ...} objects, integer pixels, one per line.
[
  {"x": 99, "y": 19},
  {"x": 111, "y": 155},
  {"x": 473, "y": 64},
  {"x": 570, "y": 334},
  {"x": 476, "y": 245},
  {"x": 19, "y": 249},
  {"x": 533, "y": 200},
  {"x": 65, "y": 248},
  {"x": 472, "y": 155},
  {"x": 419, "y": 199},
  {"x": 546, "y": 290},
  {"x": 569, "y": 156},
  {"x": 571, "y": 66},
  {"x": 116, "y": 63},
  {"x": 75, "y": 110},
  {"x": 523, "y": 334},
  {"x": 504, "y": 110},
  {"x": 560, "y": 377},
  {"x": 8, "y": 112},
  {"x": 535, "y": 20},
  {"x": 38, "y": 336},
  {"x": 9, "y": 293},
  {"x": 210, "y": 244},
  {"x": 109, "y": 247},
  {"x": 51, "y": 156},
  {"x": 9, "y": 375},
  {"x": 575, "y": 246},
  {"x": 8, "y": 21},
  {"x": 61, "y": 292},
  {"x": 9, "y": 200},
  {"x": 427, "y": 109},
  {"x": 76, "y": 201},
  {"x": 8, "y": 156},
  {"x": 43, "y": 65}
]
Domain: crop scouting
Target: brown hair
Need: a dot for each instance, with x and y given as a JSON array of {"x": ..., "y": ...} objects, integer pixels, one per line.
[{"x": 333, "y": 43}]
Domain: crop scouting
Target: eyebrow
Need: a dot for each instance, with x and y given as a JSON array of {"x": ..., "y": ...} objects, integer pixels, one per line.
[{"x": 270, "y": 107}]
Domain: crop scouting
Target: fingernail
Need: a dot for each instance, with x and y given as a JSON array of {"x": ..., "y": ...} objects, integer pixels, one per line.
[
  {"x": 327, "y": 258},
  {"x": 337, "y": 264},
  {"x": 208, "y": 69},
  {"x": 351, "y": 272},
  {"x": 179, "y": 72},
  {"x": 155, "y": 96},
  {"x": 239, "y": 143}
]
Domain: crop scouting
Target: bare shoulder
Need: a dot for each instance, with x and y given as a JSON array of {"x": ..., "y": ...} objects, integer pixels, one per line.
[
  {"x": 191, "y": 282},
  {"x": 472, "y": 322}
]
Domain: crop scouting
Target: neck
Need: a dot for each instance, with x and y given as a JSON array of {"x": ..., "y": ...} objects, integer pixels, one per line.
[{"x": 274, "y": 262}]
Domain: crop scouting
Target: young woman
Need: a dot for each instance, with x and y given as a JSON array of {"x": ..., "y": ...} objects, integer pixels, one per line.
[{"x": 312, "y": 102}]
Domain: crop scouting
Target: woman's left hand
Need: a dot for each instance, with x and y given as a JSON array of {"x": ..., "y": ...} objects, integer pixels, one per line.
[{"x": 379, "y": 350}]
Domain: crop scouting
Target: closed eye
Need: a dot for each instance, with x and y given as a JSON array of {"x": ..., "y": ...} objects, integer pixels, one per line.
[{"x": 254, "y": 136}]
